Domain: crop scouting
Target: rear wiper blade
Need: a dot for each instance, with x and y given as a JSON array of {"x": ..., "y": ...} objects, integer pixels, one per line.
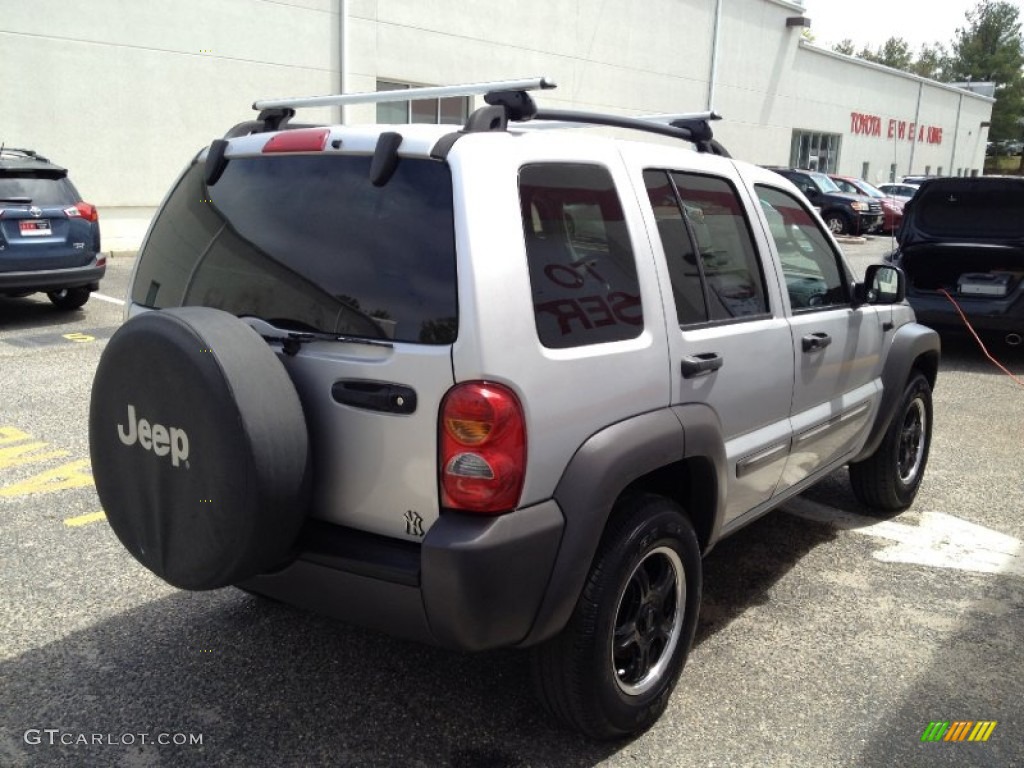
[
  {"x": 292, "y": 340},
  {"x": 19, "y": 200}
]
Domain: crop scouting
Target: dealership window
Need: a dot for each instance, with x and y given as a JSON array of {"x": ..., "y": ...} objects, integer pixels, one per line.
[
  {"x": 927, "y": 170},
  {"x": 815, "y": 151},
  {"x": 451, "y": 111},
  {"x": 892, "y": 173},
  {"x": 939, "y": 171},
  {"x": 864, "y": 169}
]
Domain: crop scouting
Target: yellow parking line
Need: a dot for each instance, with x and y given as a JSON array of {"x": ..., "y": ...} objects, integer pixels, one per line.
[{"x": 92, "y": 517}]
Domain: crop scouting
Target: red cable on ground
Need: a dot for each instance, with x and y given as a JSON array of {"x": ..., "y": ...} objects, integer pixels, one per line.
[{"x": 981, "y": 344}]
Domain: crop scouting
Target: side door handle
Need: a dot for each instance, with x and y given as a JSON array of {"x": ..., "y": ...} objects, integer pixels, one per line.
[
  {"x": 815, "y": 341},
  {"x": 700, "y": 365}
]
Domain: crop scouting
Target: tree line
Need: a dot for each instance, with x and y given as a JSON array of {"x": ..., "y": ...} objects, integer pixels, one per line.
[{"x": 988, "y": 48}]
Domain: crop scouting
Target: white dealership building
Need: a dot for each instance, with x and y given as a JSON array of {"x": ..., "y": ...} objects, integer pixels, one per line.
[{"x": 124, "y": 94}]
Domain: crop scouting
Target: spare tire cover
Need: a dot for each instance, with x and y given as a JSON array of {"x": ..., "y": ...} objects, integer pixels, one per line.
[{"x": 199, "y": 447}]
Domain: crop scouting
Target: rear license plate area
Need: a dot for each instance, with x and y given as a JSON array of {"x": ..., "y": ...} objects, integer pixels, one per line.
[{"x": 34, "y": 227}]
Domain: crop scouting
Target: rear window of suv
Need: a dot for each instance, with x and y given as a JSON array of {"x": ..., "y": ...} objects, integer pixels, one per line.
[
  {"x": 308, "y": 243},
  {"x": 37, "y": 190}
]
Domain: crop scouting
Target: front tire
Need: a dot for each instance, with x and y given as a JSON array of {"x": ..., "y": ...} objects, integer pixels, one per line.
[
  {"x": 612, "y": 669},
  {"x": 889, "y": 479},
  {"x": 838, "y": 223},
  {"x": 69, "y": 298}
]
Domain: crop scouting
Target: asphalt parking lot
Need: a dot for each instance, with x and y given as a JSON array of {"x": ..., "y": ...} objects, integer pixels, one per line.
[{"x": 826, "y": 638}]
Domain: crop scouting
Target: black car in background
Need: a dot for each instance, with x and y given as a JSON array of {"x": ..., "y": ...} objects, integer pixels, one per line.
[
  {"x": 49, "y": 237},
  {"x": 962, "y": 241},
  {"x": 843, "y": 213}
]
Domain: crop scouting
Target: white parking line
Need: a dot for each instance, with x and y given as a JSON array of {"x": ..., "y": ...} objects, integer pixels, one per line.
[{"x": 111, "y": 299}]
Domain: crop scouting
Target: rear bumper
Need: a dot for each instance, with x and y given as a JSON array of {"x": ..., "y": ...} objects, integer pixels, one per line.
[
  {"x": 474, "y": 583},
  {"x": 54, "y": 279},
  {"x": 871, "y": 222},
  {"x": 1002, "y": 315}
]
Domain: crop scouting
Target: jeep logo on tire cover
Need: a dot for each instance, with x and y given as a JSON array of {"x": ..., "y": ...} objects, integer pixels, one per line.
[{"x": 157, "y": 438}]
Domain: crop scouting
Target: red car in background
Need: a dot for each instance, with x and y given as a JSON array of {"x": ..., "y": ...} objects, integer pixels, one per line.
[{"x": 892, "y": 209}]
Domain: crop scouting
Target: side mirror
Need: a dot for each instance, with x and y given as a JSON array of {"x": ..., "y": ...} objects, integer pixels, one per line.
[{"x": 883, "y": 284}]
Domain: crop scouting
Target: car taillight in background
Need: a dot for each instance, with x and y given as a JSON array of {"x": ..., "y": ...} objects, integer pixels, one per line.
[
  {"x": 82, "y": 210},
  {"x": 483, "y": 448}
]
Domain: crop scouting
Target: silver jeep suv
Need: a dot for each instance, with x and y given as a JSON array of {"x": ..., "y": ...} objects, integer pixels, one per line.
[{"x": 495, "y": 386}]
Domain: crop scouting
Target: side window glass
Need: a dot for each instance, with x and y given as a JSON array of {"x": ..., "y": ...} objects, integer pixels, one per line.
[
  {"x": 680, "y": 253},
  {"x": 582, "y": 268},
  {"x": 812, "y": 269},
  {"x": 712, "y": 263}
]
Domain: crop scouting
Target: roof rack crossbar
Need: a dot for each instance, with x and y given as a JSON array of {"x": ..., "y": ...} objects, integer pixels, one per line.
[{"x": 407, "y": 94}]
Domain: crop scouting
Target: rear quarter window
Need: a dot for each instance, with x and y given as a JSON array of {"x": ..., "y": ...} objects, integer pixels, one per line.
[{"x": 582, "y": 269}]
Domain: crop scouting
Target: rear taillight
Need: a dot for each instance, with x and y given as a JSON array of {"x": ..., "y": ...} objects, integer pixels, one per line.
[
  {"x": 483, "y": 448},
  {"x": 83, "y": 211},
  {"x": 298, "y": 140}
]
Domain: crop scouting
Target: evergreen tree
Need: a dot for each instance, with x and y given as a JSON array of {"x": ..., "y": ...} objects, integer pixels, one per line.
[{"x": 991, "y": 48}]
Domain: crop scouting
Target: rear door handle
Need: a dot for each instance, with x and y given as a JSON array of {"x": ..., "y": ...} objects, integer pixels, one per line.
[
  {"x": 815, "y": 341},
  {"x": 699, "y": 365}
]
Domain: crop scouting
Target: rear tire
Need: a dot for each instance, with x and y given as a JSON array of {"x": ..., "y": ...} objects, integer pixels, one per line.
[
  {"x": 611, "y": 671},
  {"x": 889, "y": 479},
  {"x": 69, "y": 298}
]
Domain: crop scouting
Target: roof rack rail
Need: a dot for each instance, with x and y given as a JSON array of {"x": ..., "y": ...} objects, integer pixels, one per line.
[
  {"x": 694, "y": 128},
  {"x": 407, "y": 94},
  {"x": 507, "y": 101}
]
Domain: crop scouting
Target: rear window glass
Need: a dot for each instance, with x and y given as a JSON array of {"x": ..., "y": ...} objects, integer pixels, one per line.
[
  {"x": 582, "y": 269},
  {"x": 39, "y": 191},
  {"x": 970, "y": 210},
  {"x": 306, "y": 242}
]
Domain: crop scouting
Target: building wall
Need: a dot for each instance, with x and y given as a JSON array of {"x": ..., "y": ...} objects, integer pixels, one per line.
[
  {"x": 125, "y": 92},
  {"x": 622, "y": 57}
]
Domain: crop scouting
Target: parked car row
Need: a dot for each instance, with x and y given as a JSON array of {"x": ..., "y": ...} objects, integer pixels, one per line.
[
  {"x": 902, "y": 191},
  {"x": 843, "y": 213},
  {"x": 892, "y": 209},
  {"x": 49, "y": 236}
]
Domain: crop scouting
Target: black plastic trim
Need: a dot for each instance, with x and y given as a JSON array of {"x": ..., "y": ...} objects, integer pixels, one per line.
[
  {"x": 474, "y": 583},
  {"x": 484, "y": 578},
  {"x": 602, "y": 468},
  {"x": 911, "y": 343},
  {"x": 444, "y": 145},
  {"x": 518, "y": 105},
  {"x": 365, "y": 554},
  {"x": 381, "y": 396},
  {"x": 385, "y": 158},
  {"x": 216, "y": 161},
  {"x": 53, "y": 279}
]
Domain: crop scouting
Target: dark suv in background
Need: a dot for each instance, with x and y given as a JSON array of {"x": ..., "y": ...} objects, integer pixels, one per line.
[
  {"x": 49, "y": 237},
  {"x": 843, "y": 213},
  {"x": 962, "y": 249}
]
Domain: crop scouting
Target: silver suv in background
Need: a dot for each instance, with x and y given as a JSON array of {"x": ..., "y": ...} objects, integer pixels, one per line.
[{"x": 495, "y": 386}]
